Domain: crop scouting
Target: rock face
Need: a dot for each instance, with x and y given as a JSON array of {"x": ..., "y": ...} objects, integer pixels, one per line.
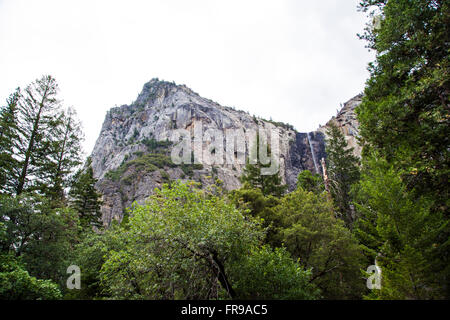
[
  {"x": 346, "y": 121},
  {"x": 132, "y": 154}
]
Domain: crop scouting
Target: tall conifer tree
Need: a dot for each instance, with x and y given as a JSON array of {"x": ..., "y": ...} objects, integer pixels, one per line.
[
  {"x": 84, "y": 198},
  {"x": 404, "y": 125},
  {"x": 9, "y": 135},
  {"x": 64, "y": 156},
  {"x": 268, "y": 184},
  {"x": 343, "y": 172},
  {"x": 38, "y": 107}
]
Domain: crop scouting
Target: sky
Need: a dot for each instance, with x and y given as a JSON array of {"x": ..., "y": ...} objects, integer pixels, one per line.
[{"x": 294, "y": 61}]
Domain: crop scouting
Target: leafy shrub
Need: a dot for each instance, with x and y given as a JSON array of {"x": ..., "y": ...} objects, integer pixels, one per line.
[
  {"x": 268, "y": 273},
  {"x": 146, "y": 163},
  {"x": 154, "y": 145}
]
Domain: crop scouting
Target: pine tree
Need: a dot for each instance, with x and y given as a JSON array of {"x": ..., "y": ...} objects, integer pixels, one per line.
[
  {"x": 404, "y": 117},
  {"x": 42, "y": 237},
  {"x": 9, "y": 134},
  {"x": 84, "y": 198},
  {"x": 64, "y": 155},
  {"x": 37, "y": 107},
  {"x": 310, "y": 232},
  {"x": 397, "y": 231},
  {"x": 343, "y": 172},
  {"x": 38, "y": 140},
  {"x": 405, "y": 111},
  {"x": 309, "y": 182},
  {"x": 268, "y": 184}
]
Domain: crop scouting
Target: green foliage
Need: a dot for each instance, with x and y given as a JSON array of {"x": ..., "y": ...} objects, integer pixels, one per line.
[
  {"x": 179, "y": 246},
  {"x": 187, "y": 243},
  {"x": 188, "y": 169},
  {"x": 90, "y": 254},
  {"x": 135, "y": 134},
  {"x": 15, "y": 281},
  {"x": 17, "y": 284},
  {"x": 84, "y": 198},
  {"x": 164, "y": 175},
  {"x": 309, "y": 182},
  {"x": 283, "y": 125},
  {"x": 39, "y": 111},
  {"x": 343, "y": 172},
  {"x": 404, "y": 125},
  {"x": 405, "y": 115},
  {"x": 311, "y": 233},
  {"x": 259, "y": 206},
  {"x": 144, "y": 164},
  {"x": 154, "y": 145},
  {"x": 304, "y": 222},
  {"x": 38, "y": 140},
  {"x": 399, "y": 231},
  {"x": 64, "y": 155},
  {"x": 252, "y": 177},
  {"x": 39, "y": 150},
  {"x": 272, "y": 274},
  {"x": 9, "y": 136},
  {"x": 268, "y": 184},
  {"x": 42, "y": 236}
]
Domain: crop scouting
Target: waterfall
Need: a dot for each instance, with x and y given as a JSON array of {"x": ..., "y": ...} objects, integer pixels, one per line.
[{"x": 312, "y": 152}]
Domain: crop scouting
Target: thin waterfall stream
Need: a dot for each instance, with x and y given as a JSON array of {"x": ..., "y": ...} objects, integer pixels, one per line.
[{"x": 312, "y": 152}]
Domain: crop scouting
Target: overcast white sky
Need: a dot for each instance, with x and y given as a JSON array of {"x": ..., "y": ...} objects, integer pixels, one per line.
[{"x": 292, "y": 60}]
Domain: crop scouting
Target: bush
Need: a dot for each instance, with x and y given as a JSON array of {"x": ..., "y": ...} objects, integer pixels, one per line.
[
  {"x": 154, "y": 145},
  {"x": 17, "y": 284},
  {"x": 144, "y": 164},
  {"x": 272, "y": 274},
  {"x": 179, "y": 245}
]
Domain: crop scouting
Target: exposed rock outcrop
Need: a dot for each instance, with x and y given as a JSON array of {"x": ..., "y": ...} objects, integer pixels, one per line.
[
  {"x": 131, "y": 155},
  {"x": 346, "y": 121}
]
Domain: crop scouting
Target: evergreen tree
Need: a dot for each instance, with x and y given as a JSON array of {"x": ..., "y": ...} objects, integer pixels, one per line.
[
  {"x": 41, "y": 236},
  {"x": 38, "y": 107},
  {"x": 404, "y": 116},
  {"x": 312, "y": 233},
  {"x": 309, "y": 182},
  {"x": 343, "y": 172},
  {"x": 253, "y": 202},
  {"x": 64, "y": 155},
  {"x": 397, "y": 231},
  {"x": 84, "y": 198},
  {"x": 268, "y": 184},
  {"x": 405, "y": 112},
  {"x": 9, "y": 134},
  {"x": 38, "y": 140}
]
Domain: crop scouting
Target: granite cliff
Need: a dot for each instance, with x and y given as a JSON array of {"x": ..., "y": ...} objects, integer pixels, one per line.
[
  {"x": 132, "y": 154},
  {"x": 347, "y": 122}
]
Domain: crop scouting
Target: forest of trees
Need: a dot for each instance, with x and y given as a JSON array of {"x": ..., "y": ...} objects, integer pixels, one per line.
[{"x": 390, "y": 207}]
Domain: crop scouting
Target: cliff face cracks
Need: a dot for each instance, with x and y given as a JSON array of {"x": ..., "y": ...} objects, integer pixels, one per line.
[{"x": 132, "y": 154}]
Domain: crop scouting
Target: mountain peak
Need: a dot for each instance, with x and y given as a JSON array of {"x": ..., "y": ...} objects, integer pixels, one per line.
[
  {"x": 132, "y": 154},
  {"x": 156, "y": 88}
]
